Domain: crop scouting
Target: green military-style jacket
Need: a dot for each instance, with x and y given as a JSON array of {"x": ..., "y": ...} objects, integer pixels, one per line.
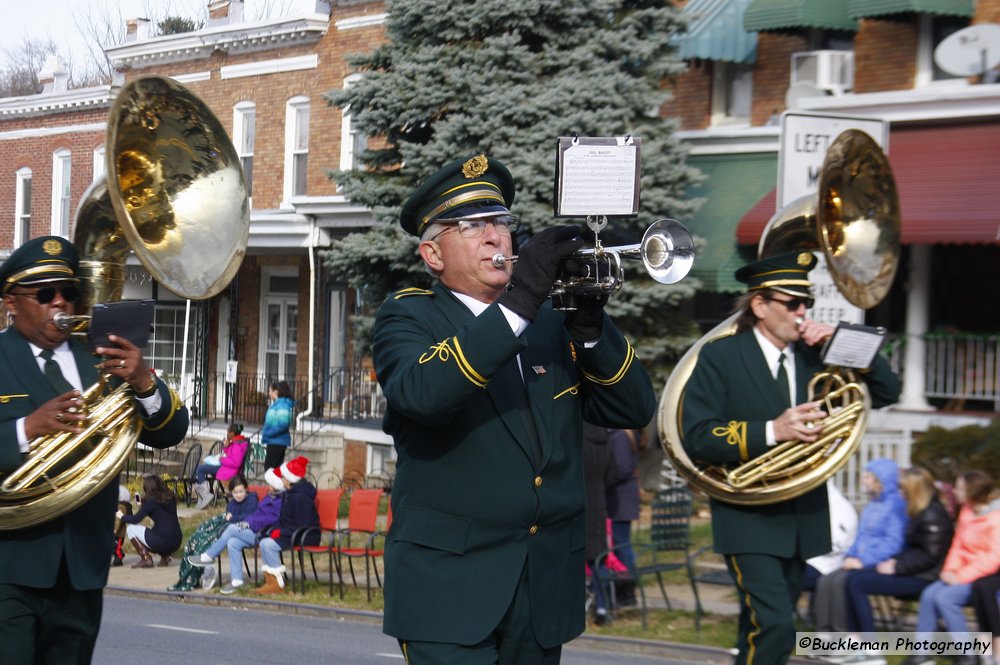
[
  {"x": 83, "y": 537},
  {"x": 727, "y": 402},
  {"x": 477, "y": 495}
]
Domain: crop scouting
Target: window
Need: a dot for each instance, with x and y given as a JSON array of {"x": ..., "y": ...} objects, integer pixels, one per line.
[
  {"x": 732, "y": 93},
  {"x": 280, "y": 322},
  {"x": 352, "y": 141},
  {"x": 166, "y": 342},
  {"x": 98, "y": 162},
  {"x": 933, "y": 30},
  {"x": 22, "y": 207},
  {"x": 60, "y": 193},
  {"x": 244, "y": 129},
  {"x": 296, "y": 146}
]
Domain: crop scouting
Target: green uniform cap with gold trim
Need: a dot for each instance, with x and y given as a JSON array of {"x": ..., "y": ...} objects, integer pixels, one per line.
[
  {"x": 475, "y": 184},
  {"x": 44, "y": 259},
  {"x": 787, "y": 272}
]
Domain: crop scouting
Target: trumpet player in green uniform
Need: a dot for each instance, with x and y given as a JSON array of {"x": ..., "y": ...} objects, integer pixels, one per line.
[
  {"x": 487, "y": 388},
  {"x": 746, "y": 394}
]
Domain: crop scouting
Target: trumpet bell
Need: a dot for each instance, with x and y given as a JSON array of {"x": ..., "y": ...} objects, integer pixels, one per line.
[
  {"x": 171, "y": 170},
  {"x": 667, "y": 251}
]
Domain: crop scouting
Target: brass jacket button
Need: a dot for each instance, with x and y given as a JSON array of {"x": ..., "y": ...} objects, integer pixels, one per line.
[{"x": 533, "y": 530}]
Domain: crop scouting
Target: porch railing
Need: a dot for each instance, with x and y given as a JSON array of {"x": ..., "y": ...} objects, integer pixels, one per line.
[
  {"x": 958, "y": 366},
  {"x": 349, "y": 393}
]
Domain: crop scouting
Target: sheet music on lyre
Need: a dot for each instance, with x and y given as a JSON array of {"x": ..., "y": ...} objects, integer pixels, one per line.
[{"x": 853, "y": 345}]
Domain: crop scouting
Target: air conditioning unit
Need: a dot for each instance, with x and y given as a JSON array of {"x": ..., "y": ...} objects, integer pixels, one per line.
[{"x": 827, "y": 70}]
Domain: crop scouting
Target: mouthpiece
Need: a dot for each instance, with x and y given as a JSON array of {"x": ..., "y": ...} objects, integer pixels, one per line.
[
  {"x": 64, "y": 321},
  {"x": 499, "y": 260}
]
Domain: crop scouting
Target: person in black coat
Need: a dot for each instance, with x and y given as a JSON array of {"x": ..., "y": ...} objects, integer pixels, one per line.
[
  {"x": 298, "y": 510},
  {"x": 926, "y": 541},
  {"x": 599, "y": 476},
  {"x": 160, "y": 506}
]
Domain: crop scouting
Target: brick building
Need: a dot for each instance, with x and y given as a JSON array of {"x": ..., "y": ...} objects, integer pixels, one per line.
[
  {"x": 750, "y": 61},
  {"x": 282, "y": 317}
]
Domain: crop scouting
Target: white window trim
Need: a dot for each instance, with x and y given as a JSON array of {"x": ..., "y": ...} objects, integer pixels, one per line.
[
  {"x": 346, "y": 144},
  {"x": 99, "y": 153},
  {"x": 291, "y": 117},
  {"x": 23, "y": 173},
  {"x": 239, "y": 110},
  {"x": 58, "y": 157},
  {"x": 722, "y": 73},
  {"x": 266, "y": 297}
]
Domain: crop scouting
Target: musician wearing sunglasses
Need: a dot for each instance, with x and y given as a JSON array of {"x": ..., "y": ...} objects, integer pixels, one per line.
[
  {"x": 52, "y": 574},
  {"x": 747, "y": 393},
  {"x": 486, "y": 389}
]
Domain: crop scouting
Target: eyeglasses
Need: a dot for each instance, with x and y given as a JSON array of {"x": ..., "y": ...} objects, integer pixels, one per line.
[
  {"x": 47, "y": 294},
  {"x": 474, "y": 228},
  {"x": 794, "y": 304}
]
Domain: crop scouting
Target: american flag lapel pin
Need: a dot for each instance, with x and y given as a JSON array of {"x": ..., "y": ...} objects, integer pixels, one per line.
[{"x": 538, "y": 369}]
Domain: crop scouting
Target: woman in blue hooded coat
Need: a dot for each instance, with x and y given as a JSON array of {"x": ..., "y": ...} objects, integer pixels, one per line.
[{"x": 881, "y": 535}]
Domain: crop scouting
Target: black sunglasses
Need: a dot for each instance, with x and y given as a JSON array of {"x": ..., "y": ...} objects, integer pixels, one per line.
[
  {"x": 794, "y": 304},
  {"x": 47, "y": 294}
]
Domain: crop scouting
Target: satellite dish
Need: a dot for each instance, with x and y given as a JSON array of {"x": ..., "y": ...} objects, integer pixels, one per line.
[
  {"x": 802, "y": 90},
  {"x": 970, "y": 51}
]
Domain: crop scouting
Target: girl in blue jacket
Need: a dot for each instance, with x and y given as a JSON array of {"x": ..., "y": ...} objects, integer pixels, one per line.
[{"x": 275, "y": 434}]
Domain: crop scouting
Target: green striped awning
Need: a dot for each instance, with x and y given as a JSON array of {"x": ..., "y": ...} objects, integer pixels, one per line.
[
  {"x": 734, "y": 183},
  {"x": 867, "y": 8},
  {"x": 764, "y": 15},
  {"x": 715, "y": 32}
]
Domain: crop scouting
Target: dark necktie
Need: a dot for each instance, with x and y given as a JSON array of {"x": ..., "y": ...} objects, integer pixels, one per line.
[
  {"x": 54, "y": 374},
  {"x": 782, "y": 379}
]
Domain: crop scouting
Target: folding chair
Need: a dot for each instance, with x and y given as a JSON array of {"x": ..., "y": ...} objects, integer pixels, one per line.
[
  {"x": 375, "y": 549},
  {"x": 362, "y": 522},
  {"x": 328, "y": 507}
]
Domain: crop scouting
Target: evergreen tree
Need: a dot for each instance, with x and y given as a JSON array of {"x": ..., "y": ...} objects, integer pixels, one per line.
[{"x": 460, "y": 77}]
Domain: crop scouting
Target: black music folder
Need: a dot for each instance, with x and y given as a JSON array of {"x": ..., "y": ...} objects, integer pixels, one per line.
[{"x": 131, "y": 319}]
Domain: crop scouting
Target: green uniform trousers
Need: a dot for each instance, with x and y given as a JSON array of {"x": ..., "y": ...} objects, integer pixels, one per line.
[
  {"x": 513, "y": 642},
  {"x": 769, "y": 588},
  {"x": 56, "y": 626}
]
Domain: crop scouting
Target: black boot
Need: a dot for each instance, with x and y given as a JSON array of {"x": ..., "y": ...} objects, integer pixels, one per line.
[{"x": 145, "y": 558}]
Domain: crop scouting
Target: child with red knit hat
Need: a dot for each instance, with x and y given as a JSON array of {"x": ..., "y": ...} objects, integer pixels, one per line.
[{"x": 298, "y": 510}]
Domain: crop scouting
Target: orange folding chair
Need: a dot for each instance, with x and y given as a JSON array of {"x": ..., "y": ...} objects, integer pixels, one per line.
[
  {"x": 362, "y": 522},
  {"x": 328, "y": 507}
]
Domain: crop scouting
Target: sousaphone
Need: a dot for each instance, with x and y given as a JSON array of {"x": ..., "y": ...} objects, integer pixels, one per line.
[
  {"x": 854, "y": 220},
  {"x": 174, "y": 195}
]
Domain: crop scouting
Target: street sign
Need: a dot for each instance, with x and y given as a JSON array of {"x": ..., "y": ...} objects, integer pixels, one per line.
[
  {"x": 804, "y": 140},
  {"x": 803, "y": 143}
]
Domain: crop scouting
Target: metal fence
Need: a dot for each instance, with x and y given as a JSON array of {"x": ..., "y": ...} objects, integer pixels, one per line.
[{"x": 958, "y": 366}]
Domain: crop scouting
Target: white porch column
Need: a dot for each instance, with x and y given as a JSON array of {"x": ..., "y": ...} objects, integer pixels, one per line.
[{"x": 914, "y": 360}]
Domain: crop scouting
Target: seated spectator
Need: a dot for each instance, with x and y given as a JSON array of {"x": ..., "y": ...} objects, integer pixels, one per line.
[
  {"x": 160, "y": 506},
  {"x": 928, "y": 536},
  {"x": 974, "y": 553},
  {"x": 242, "y": 533},
  {"x": 880, "y": 536},
  {"x": 986, "y": 603},
  {"x": 298, "y": 510},
  {"x": 843, "y": 531},
  {"x": 223, "y": 466}
]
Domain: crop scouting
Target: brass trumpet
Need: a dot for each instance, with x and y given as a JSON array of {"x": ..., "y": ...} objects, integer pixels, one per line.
[{"x": 666, "y": 251}]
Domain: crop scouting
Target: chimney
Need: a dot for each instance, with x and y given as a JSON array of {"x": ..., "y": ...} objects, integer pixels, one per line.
[
  {"x": 53, "y": 77},
  {"x": 222, "y": 12},
  {"x": 136, "y": 29}
]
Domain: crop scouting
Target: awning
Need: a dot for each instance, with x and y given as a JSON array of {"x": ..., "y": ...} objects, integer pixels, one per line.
[
  {"x": 764, "y": 15},
  {"x": 734, "y": 182},
  {"x": 947, "y": 183},
  {"x": 868, "y": 8},
  {"x": 715, "y": 32}
]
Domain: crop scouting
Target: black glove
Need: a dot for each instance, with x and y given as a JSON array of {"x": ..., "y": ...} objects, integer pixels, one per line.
[
  {"x": 536, "y": 269},
  {"x": 586, "y": 321}
]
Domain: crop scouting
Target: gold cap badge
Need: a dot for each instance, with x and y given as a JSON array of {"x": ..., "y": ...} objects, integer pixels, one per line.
[
  {"x": 805, "y": 258},
  {"x": 52, "y": 247},
  {"x": 475, "y": 167}
]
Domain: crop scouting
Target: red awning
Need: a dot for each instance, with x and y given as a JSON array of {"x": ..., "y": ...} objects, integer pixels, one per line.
[{"x": 948, "y": 179}]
